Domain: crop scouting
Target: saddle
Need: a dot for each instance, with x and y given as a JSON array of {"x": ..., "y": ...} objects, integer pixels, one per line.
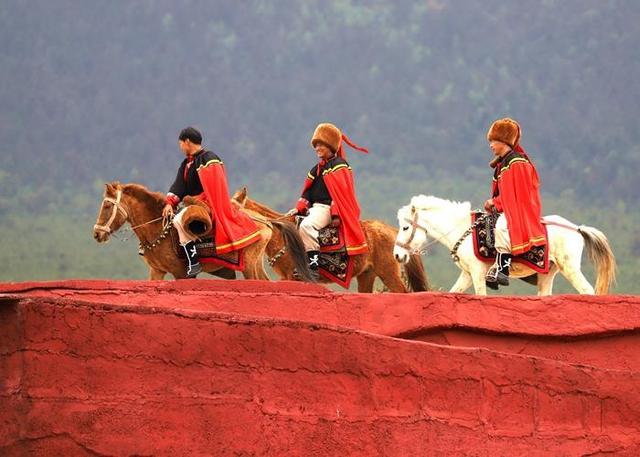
[
  {"x": 206, "y": 249},
  {"x": 334, "y": 262},
  {"x": 537, "y": 258}
]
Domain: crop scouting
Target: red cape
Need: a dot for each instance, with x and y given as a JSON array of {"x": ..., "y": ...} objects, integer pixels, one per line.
[
  {"x": 518, "y": 197},
  {"x": 340, "y": 185},
  {"x": 233, "y": 228}
]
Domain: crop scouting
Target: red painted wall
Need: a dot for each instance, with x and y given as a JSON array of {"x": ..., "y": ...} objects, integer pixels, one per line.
[{"x": 252, "y": 368}]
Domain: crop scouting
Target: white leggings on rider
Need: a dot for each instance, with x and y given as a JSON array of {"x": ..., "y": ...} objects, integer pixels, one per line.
[
  {"x": 503, "y": 241},
  {"x": 319, "y": 217},
  {"x": 182, "y": 233}
]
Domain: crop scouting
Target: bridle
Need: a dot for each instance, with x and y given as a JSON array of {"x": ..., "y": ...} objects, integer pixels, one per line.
[
  {"x": 116, "y": 208},
  {"x": 414, "y": 228}
]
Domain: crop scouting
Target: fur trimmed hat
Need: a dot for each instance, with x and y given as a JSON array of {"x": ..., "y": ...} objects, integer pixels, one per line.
[
  {"x": 329, "y": 134},
  {"x": 506, "y": 131}
]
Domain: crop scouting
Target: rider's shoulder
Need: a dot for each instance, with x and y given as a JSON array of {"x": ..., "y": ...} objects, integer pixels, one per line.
[
  {"x": 335, "y": 162},
  {"x": 512, "y": 157},
  {"x": 206, "y": 157}
]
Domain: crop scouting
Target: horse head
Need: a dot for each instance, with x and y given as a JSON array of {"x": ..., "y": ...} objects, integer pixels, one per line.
[
  {"x": 411, "y": 234},
  {"x": 112, "y": 214},
  {"x": 240, "y": 196},
  {"x": 428, "y": 215}
]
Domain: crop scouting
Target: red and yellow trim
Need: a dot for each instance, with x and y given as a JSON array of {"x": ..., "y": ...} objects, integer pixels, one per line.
[
  {"x": 238, "y": 244},
  {"x": 209, "y": 163},
  {"x": 506, "y": 167},
  {"x": 524, "y": 247},
  {"x": 336, "y": 168}
]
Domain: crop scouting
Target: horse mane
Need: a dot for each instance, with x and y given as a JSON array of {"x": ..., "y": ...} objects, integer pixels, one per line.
[
  {"x": 430, "y": 202},
  {"x": 143, "y": 195},
  {"x": 264, "y": 209}
]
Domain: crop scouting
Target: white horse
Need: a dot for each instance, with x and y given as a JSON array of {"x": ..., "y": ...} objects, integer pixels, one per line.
[{"x": 447, "y": 222}]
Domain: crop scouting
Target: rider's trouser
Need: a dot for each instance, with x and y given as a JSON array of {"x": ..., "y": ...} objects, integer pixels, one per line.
[
  {"x": 182, "y": 233},
  {"x": 319, "y": 217},
  {"x": 503, "y": 241}
]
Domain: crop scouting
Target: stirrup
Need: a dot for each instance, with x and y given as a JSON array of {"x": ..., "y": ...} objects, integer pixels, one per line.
[
  {"x": 491, "y": 278},
  {"x": 193, "y": 269}
]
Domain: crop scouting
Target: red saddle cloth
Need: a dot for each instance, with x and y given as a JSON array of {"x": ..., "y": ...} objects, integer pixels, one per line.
[
  {"x": 537, "y": 258},
  {"x": 206, "y": 249},
  {"x": 334, "y": 262}
]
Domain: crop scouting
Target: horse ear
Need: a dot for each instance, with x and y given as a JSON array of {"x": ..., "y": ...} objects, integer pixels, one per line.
[
  {"x": 413, "y": 210},
  {"x": 109, "y": 187},
  {"x": 242, "y": 195}
]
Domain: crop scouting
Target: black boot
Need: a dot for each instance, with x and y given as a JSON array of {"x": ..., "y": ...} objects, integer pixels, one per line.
[
  {"x": 498, "y": 274},
  {"x": 314, "y": 264},
  {"x": 193, "y": 266}
]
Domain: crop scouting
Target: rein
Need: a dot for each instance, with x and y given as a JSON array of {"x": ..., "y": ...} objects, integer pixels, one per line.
[{"x": 146, "y": 247}]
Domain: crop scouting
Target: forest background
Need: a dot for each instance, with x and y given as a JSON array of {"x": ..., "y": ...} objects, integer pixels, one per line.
[{"x": 92, "y": 92}]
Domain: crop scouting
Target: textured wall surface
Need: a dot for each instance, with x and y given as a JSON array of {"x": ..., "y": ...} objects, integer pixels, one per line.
[{"x": 253, "y": 368}]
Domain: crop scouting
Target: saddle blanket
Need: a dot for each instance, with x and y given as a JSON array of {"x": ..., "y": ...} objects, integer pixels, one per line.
[
  {"x": 334, "y": 262},
  {"x": 206, "y": 249},
  {"x": 537, "y": 258}
]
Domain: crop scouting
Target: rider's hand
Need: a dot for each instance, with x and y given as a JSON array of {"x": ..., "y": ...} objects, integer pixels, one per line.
[
  {"x": 291, "y": 212},
  {"x": 167, "y": 211},
  {"x": 488, "y": 205},
  {"x": 335, "y": 221}
]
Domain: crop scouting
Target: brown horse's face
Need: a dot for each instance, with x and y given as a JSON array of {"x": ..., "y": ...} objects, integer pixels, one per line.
[{"x": 112, "y": 214}]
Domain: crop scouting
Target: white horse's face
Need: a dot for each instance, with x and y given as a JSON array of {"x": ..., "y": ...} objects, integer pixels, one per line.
[{"x": 411, "y": 234}]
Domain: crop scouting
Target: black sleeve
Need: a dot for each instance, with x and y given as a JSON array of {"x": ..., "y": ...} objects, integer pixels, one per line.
[{"x": 179, "y": 188}]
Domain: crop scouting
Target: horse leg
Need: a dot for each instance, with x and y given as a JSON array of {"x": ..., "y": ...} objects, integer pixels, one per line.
[
  {"x": 259, "y": 270},
  {"x": 392, "y": 277},
  {"x": 366, "y": 280},
  {"x": 250, "y": 269},
  {"x": 545, "y": 281},
  {"x": 478, "y": 278},
  {"x": 576, "y": 278},
  {"x": 156, "y": 275},
  {"x": 463, "y": 283}
]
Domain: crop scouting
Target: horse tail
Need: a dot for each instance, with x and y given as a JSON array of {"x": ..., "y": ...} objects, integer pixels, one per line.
[
  {"x": 600, "y": 253},
  {"x": 293, "y": 243},
  {"x": 416, "y": 275}
]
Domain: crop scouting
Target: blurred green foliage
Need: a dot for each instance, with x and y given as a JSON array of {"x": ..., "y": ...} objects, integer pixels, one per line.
[{"x": 93, "y": 92}]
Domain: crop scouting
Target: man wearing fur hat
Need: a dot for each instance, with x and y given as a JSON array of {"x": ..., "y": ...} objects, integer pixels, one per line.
[
  {"x": 516, "y": 196},
  {"x": 202, "y": 175},
  {"x": 328, "y": 195}
]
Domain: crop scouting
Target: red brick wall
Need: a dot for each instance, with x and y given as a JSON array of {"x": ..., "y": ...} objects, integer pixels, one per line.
[{"x": 250, "y": 368}]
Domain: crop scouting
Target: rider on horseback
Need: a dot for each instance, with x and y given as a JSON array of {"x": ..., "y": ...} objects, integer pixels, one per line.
[
  {"x": 516, "y": 196},
  {"x": 328, "y": 195},
  {"x": 202, "y": 175}
]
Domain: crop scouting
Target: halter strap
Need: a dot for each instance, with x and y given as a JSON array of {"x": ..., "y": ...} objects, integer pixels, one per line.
[
  {"x": 414, "y": 227},
  {"x": 117, "y": 207}
]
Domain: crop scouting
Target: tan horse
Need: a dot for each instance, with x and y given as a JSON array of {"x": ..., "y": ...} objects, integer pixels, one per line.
[
  {"x": 378, "y": 262},
  {"x": 142, "y": 208}
]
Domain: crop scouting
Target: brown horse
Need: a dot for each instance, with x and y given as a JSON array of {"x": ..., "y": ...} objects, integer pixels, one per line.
[
  {"x": 142, "y": 208},
  {"x": 378, "y": 262}
]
